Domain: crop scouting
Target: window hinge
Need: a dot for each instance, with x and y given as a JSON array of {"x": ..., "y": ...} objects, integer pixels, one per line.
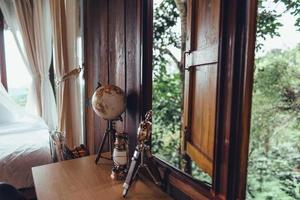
[{"x": 184, "y": 59}]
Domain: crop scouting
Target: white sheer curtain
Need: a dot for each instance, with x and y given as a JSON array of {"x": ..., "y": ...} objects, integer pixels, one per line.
[
  {"x": 7, "y": 9},
  {"x": 31, "y": 25},
  {"x": 66, "y": 33},
  {"x": 43, "y": 45}
]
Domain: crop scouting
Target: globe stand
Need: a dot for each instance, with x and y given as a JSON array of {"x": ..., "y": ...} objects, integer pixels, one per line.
[{"x": 109, "y": 137}]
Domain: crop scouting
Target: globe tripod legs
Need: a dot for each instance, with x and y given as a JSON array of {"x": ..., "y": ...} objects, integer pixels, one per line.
[{"x": 110, "y": 135}]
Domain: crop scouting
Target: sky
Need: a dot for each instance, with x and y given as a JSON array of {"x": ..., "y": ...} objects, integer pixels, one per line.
[{"x": 289, "y": 36}]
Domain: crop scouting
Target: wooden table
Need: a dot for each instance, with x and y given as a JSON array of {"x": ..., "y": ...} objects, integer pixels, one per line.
[{"x": 83, "y": 179}]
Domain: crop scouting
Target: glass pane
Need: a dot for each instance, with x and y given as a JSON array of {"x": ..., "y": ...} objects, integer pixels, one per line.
[
  {"x": 274, "y": 151},
  {"x": 168, "y": 79},
  {"x": 18, "y": 78}
]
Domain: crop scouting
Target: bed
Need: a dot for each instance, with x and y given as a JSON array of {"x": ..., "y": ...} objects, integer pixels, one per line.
[{"x": 24, "y": 143}]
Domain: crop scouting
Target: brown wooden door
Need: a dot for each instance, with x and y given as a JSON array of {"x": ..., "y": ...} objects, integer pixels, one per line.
[{"x": 201, "y": 81}]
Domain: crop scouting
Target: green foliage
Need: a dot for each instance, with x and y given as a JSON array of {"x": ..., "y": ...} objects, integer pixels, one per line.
[
  {"x": 200, "y": 175},
  {"x": 167, "y": 112},
  {"x": 292, "y": 6},
  {"x": 165, "y": 18},
  {"x": 267, "y": 23},
  {"x": 268, "y": 18},
  {"x": 274, "y": 156},
  {"x": 167, "y": 97}
]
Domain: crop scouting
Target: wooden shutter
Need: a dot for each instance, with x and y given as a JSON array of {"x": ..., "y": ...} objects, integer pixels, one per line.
[{"x": 201, "y": 81}]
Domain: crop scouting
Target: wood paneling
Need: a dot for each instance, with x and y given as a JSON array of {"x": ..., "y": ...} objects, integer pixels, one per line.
[
  {"x": 117, "y": 48},
  {"x": 96, "y": 64},
  {"x": 113, "y": 56},
  {"x": 133, "y": 70}
]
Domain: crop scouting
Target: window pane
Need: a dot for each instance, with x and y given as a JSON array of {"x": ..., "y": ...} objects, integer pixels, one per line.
[
  {"x": 168, "y": 89},
  {"x": 18, "y": 78},
  {"x": 274, "y": 151}
]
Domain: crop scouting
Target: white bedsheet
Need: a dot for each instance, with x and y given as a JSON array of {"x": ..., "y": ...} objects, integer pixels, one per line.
[{"x": 23, "y": 145}]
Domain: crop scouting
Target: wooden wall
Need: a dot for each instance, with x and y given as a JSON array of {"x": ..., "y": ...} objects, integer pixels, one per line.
[{"x": 113, "y": 37}]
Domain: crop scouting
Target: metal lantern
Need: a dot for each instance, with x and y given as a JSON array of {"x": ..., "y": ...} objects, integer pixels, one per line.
[{"x": 120, "y": 157}]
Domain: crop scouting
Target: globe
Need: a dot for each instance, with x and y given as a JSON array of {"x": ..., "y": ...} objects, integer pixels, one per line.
[{"x": 109, "y": 102}]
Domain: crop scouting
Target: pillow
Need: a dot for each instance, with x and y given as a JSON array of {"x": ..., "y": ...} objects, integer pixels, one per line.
[{"x": 6, "y": 116}]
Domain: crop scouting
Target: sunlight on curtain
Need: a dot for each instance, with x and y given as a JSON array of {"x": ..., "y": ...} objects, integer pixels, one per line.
[
  {"x": 31, "y": 21},
  {"x": 67, "y": 67},
  {"x": 18, "y": 83}
]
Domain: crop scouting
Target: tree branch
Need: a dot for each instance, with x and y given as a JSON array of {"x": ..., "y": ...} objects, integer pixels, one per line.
[
  {"x": 169, "y": 53},
  {"x": 181, "y": 6}
]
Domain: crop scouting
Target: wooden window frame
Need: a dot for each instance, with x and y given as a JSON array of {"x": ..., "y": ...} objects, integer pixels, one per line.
[{"x": 234, "y": 92}]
